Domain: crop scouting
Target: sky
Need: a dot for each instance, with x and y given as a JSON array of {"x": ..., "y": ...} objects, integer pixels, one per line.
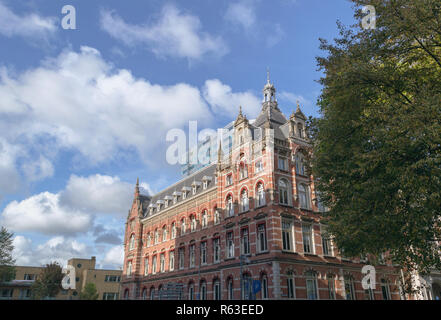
[{"x": 85, "y": 111}]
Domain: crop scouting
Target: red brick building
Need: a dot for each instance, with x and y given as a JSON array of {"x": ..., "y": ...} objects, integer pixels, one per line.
[{"x": 253, "y": 215}]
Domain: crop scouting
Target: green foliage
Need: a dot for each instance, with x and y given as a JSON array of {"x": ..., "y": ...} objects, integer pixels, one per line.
[
  {"x": 48, "y": 283},
  {"x": 89, "y": 292},
  {"x": 377, "y": 144},
  {"x": 7, "y": 270}
]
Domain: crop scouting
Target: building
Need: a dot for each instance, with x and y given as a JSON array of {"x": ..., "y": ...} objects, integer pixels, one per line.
[
  {"x": 107, "y": 282},
  {"x": 245, "y": 227}
]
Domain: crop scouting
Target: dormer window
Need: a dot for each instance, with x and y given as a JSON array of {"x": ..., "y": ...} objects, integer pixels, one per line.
[
  {"x": 205, "y": 185},
  {"x": 300, "y": 130},
  {"x": 184, "y": 195},
  {"x": 194, "y": 189}
]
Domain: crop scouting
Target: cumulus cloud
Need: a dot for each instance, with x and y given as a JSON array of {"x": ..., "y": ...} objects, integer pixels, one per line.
[
  {"x": 42, "y": 213},
  {"x": 10, "y": 178},
  {"x": 224, "y": 101},
  {"x": 175, "y": 34},
  {"x": 114, "y": 257},
  {"x": 58, "y": 249},
  {"x": 97, "y": 194},
  {"x": 93, "y": 109},
  {"x": 241, "y": 13},
  {"x": 29, "y": 25},
  {"x": 293, "y": 98}
]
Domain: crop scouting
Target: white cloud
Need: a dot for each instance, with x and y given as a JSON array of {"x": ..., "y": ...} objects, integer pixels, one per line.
[
  {"x": 10, "y": 178},
  {"x": 275, "y": 36},
  {"x": 58, "y": 249},
  {"x": 145, "y": 188},
  {"x": 30, "y": 25},
  {"x": 293, "y": 98},
  {"x": 114, "y": 257},
  {"x": 98, "y": 194},
  {"x": 224, "y": 101},
  {"x": 38, "y": 169},
  {"x": 175, "y": 34},
  {"x": 43, "y": 213},
  {"x": 241, "y": 13}
]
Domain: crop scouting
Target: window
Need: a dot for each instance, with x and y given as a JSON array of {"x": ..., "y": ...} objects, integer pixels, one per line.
[
  {"x": 146, "y": 266},
  {"x": 261, "y": 238},
  {"x": 230, "y": 245},
  {"x": 243, "y": 171},
  {"x": 264, "y": 288},
  {"x": 129, "y": 268},
  {"x": 282, "y": 164},
  {"x": 307, "y": 238},
  {"x": 182, "y": 226},
  {"x": 175, "y": 199},
  {"x": 300, "y": 130},
  {"x": 385, "y": 289},
  {"x": 110, "y": 296},
  {"x": 260, "y": 195},
  {"x": 149, "y": 240},
  {"x": 112, "y": 278},
  {"x": 173, "y": 230},
  {"x": 171, "y": 260},
  {"x": 326, "y": 243},
  {"x": 156, "y": 236},
  {"x": 184, "y": 195},
  {"x": 192, "y": 255},
  {"x": 29, "y": 276},
  {"x": 144, "y": 294},
  {"x": 164, "y": 233},
  {"x": 349, "y": 288},
  {"x": 194, "y": 189},
  {"x": 320, "y": 206},
  {"x": 181, "y": 253},
  {"x": 126, "y": 294},
  {"x": 193, "y": 223},
  {"x": 369, "y": 294},
  {"x": 216, "y": 216},
  {"x": 216, "y": 290},
  {"x": 152, "y": 293},
  {"x": 216, "y": 250},
  {"x": 229, "y": 180},
  {"x": 132, "y": 242},
  {"x": 300, "y": 165},
  {"x": 204, "y": 252},
  {"x": 283, "y": 192},
  {"x": 287, "y": 235},
  {"x": 230, "y": 289},
  {"x": 311, "y": 286},
  {"x": 230, "y": 207},
  {"x": 154, "y": 264},
  {"x": 291, "y": 288},
  {"x": 204, "y": 219},
  {"x": 191, "y": 291},
  {"x": 244, "y": 241},
  {"x": 331, "y": 287},
  {"x": 205, "y": 185},
  {"x": 259, "y": 166},
  {"x": 244, "y": 204},
  {"x": 304, "y": 196},
  {"x": 203, "y": 293}
]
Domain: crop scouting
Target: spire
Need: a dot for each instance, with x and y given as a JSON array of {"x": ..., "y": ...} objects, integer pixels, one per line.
[
  {"x": 267, "y": 75},
  {"x": 137, "y": 187},
  {"x": 240, "y": 117},
  {"x": 219, "y": 152},
  {"x": 299, "y": 113}
]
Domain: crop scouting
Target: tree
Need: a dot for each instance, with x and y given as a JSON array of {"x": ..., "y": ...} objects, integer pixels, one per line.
[
  {"x": 48, "y": 283},
  {"x": 89, "y": 292},
  {"x": 7, "y": 270},
  {"x": 377, "y": 144}
]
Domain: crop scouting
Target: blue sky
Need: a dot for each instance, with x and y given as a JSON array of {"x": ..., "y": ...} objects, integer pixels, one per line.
[{"x": 84, "y": 112}]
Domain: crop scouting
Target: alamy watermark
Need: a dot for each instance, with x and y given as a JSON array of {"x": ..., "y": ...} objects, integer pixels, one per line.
[{"x": 369, "y": 21}]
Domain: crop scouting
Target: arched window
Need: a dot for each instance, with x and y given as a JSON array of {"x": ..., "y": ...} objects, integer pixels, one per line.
[
  {"x": 171, "y": 260},
  {"x": 283, "y": 192},
  {"x": 193, "y": 223},
  {"x": 216, "y": 290},
  {"x": 132, "y": 242},
  {"x": 304, "y": 196},
  {"x": 244, "y": 203},
  {"x": 311, "y": 285},
  {"x": 191, "y": 291},
  {"x": 300, "y": 165},
  {"x": 203, "y": 291},
  {"x": 204, "y": 221},
  {"x": 264, "y": 287},
  {"x": 164, "y": 233},
  {"x": 149, "y": 240},
  {"x": 126, "y": 294},
  {"x": 243, "y": 170},
  {"x": 385, "y": 290},
  {"x": 182, "y": 226},
  {"x": 144, "y": 294},
  {"x": 300, "y": 130},
  {"x": 246, "y": 286},
  {"x": 146, "y": 266},
  {"x": 173, "y": 230},
  {"x": 230, "y": 289},
  {"x": 216, "y": 216},
  {"x": 129, "y": 268},
  {"x": 349, "y": 287},
  {"x": 152, "y": 293},
  {"x": 229, "y": 206},
  {"x": 160, "y": 292},
  {"x": 260, "y": 194},
  {"x": 154, "y": 264}
]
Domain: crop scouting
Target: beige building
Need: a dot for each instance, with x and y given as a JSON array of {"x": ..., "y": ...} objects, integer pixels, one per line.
[{"x": 107, "y": 282}]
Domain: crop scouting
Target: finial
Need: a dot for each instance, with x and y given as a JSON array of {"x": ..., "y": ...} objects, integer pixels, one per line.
[
  {"x": 240, "y": 110},
  {"x": 298, "y": 105},
  {"x": 137, "y": 186},
  {"x": 267, "y": 75}
]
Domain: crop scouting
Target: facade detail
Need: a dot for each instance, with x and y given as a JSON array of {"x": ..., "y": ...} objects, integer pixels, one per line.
[{"x": 253, "y": 216}]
